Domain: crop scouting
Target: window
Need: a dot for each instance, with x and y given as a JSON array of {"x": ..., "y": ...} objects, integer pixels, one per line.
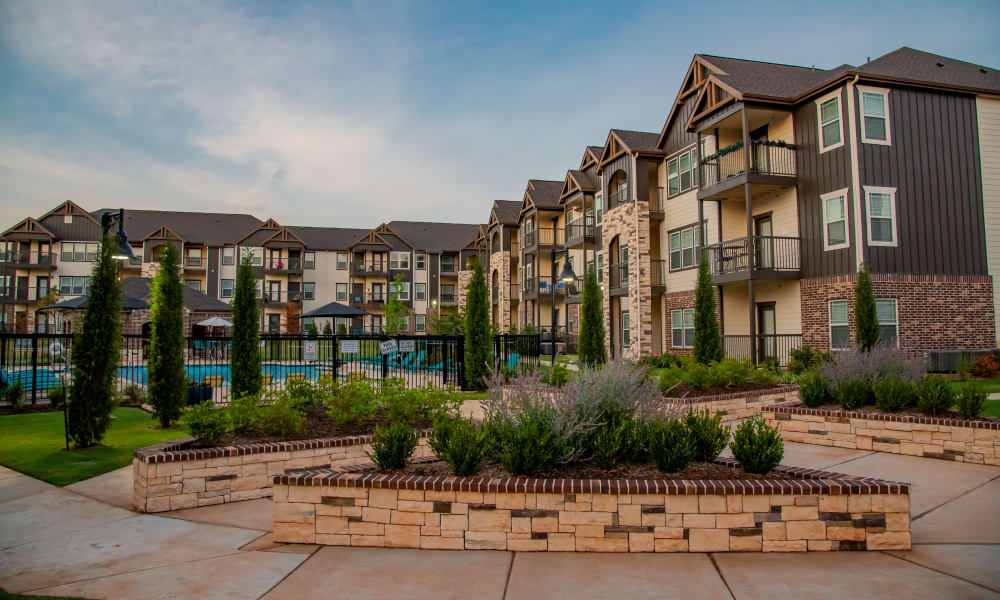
[
  {"x": 874, "y": 115},
  {"x": 835, "y": 220},
  {"x": 420, "y": 322},
  {"x": 308, "y": 290},
  {"x": 447, "y": 263},
  {"x": 256, "y": 255},
  {"x": 309, "y": 260},
  {"x": 227, "y": 288},
  {"x": 74, "y": 286},
  {"x": 840, "y": 329},
  {"x": 42, "y": 285},
  {"x": 341, "y": 292},
  {"x": 399, "y": 261},
  {"x": 682, "y": 247},
  {"x": 420, "y": 291},
  {"x": 599, "y": 205},
  {"x": 600, "y": 264},
  {"x": 421, "y": 262},
  {"x": 447, "y": 293},
  {"x": 831, "y": 134},
  {"x": 626, "y": 329},
  {"x": 229, "y": 256},
  {"x": 79, "y": 251},
  {"x": 194, "y": 284},
  {"x": 306, "y": 322},
  {"x": 400, "y": 290},
  {"x": 888, "y": 321},
  {"x": 682, "y": 328},
  {"x": 680, "y": 172},
  {"x": 193, "y": 258},
  {"x": 341, "y": 261},
  {"x": 881, "y": 216}
]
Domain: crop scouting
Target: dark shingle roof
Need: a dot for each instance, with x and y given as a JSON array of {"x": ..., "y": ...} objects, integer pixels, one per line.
[
  {"x": 327, "y": 238},
  {"x": 638, "y": 141},
  {"x": 545, "y": 194},
  {"x": 587, "y": 181},
  {"x": 757, "y": 78},
  {"x": 506, "y": 211},
  {"x": 436, "y": 237},
  {"x": 917, "y": 65},
  {"x": 195, "y": 227},
  {"x": 138, "y": 287}
]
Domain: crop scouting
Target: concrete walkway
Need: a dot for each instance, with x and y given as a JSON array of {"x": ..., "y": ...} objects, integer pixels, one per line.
[{"x": 83, "y": 541}]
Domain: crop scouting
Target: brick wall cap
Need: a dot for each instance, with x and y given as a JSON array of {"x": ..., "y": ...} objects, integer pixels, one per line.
[
  {"x": 797, "y": 408},
  {"x": 751, "y": 394}
]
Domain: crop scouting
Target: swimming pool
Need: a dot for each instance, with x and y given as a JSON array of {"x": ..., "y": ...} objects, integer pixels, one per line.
[{"x": 198, "y": 373}]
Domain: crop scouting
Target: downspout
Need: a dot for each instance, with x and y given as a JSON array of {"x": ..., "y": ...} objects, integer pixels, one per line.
[{"x": 859, "y": 249}]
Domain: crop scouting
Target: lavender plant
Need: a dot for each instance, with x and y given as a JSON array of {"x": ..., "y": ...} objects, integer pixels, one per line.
[{"x": 852, "y": 374}]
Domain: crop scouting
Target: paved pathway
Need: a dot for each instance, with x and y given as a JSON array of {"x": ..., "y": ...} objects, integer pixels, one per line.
[{"x": 82, "y": 541}]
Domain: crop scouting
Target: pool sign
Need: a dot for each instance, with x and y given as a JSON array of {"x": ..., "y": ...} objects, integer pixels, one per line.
[
  {"x": 349, "y": 346},
  {"x": 407, "y": 345},
  {"x": 388, "y": 346},
  {"x": 309, "y": 349}
]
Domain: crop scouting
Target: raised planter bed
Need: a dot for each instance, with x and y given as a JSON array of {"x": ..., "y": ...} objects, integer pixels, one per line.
[
  {"x": 740, "y": 405},
  {"x": 810, "y": 511},
  {"x": 175, "y": 475},
  {"x": 932, "y": 437}
]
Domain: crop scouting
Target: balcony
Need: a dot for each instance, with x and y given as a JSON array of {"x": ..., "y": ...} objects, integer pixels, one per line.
[
  {"x": 620, "y": 197},
  {"x": 574, "y": 291},
  {"x": 194, "y": 263},
  {"x": 658, "y": 275},
  {"x": 372, "y": 268},
  {"x": 529, "y": 289},
  {"x": 449, "y": 269},
  {"x": 772, "y": 166},
  {"x": 617, "y": 279},
  {"x": 656, "y": 204},
  {"x": 543, "y": 238},
  {"x": 23, "y": 295},
  {"x": 515, "y": 292},
  {"x": 132, "y": 264},
  {"x": 449, "y": 298},
  {"x": 282, "y": 266},
  {"x": 577, "y": 233},
  {"x": 277, "y": 298},
  {"x": 30, "y": 260},
  {"x": 777, "y": 346},
  {"x": 758, "y": 257}
]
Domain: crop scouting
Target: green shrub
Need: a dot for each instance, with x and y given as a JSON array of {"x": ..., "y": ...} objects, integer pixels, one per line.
[
  {"x": 934, "y": 395},
  {"x": 464, "y": 447},
  {"x": 670, "y": 377},
  {"x": 527, "y": 444},
  {"x": 206, "y": 422},
  {"x": 134, "y": 395},
  {"x": 764, "y": 375},
  {"x": 282, "y": 417},
  {"x": 813, "y": 389},
  {"x": 351, "y": 404},
  {"x": 805, "y": 359},
  {"x": 771, "y": 363},
  {"x": 853, "y": 393},
  {"x": 757, "y": 446},
  {"x": 244, "y": 413},
  {"x": 730, "y": 373},
  {"x": 970, "y": 401},
  {"x": 413, "y": 405},
  {"x": 14, "y": 394},
  {"x": 57, "y": 396},
  {"x": 392, "y": 446},
  {"x": 699, "y": 376},
  {"x": 708, "y": 435},
  {"x": 303, "y": 391},
  {"x": 557, "y": 376},
  {"x": 619, "y": 439},
  {"x": 893, "y": 395},
  {"x": 670, "y": 445}
]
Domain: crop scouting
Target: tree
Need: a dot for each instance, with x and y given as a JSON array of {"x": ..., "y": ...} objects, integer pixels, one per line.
[
  {"x": 327, "y": 329},
  {"x": 312, "y": 330},
  {"x": 96, "y": 353},
  {"x": 865, "y": 319},
  {"x": 707, "y": 341},
  {"x": 395, "y": 311},
  {"x": 447, "y": 323},
  {"x": 590, "y": 346},
  {"x": 245, "y": 361},
  {"x": 477, "y": 330},
  {"x": 167, "y": 379}
]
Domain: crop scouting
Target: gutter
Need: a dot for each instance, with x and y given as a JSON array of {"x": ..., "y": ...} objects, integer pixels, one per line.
[{"x": 859, "y": 248}]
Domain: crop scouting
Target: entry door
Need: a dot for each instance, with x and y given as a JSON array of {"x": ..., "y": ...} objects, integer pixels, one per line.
[
  {"x": 273, "y": 323},
  {"x": 274, "y": 259},
  {"x": 274, "y": 291},
  {"x": 764, "y": 231},
  {"x": 767, "y": 330},
  {"x": 759, "y": 153},
  {"x": 377, "y": 292}
]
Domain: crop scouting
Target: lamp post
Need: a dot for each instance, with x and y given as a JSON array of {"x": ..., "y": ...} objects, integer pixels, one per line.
[
  {"x": 565, "y": 276},
  {"x": 123, "y": 250}
]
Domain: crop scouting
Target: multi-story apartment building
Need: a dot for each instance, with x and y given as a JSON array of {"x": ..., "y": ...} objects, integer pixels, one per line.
[{"x": 503, "y": 275}]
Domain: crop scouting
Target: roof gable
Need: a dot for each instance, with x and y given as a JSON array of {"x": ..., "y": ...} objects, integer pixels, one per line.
[
  {"x": 69, "y": 208},
  {"x": 30, "y": 227},
  {"x": 163, "y": 233},
  {"x": 285, "y": 235}
]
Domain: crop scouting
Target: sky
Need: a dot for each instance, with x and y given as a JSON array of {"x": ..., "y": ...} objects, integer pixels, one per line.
[{"x": 350, "y": 114}]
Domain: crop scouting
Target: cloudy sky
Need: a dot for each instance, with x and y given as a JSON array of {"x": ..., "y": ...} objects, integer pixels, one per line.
[{"x": 355, "y": 113}]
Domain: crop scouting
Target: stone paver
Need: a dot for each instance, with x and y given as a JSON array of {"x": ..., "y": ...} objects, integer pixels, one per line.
[
  {"x": 249, "y": 514},
  {"x": 973, "y": 518},
  {"x": 973, "y": 562},
  {"x": 115, "y": 487},
  {"x": 14, "y": 485},
  {"x": 837, "y": 575},
  {"x": 52, "y": 513},
  {"x": 604, "y": 576},
  {"x": 369, "y": 573}
]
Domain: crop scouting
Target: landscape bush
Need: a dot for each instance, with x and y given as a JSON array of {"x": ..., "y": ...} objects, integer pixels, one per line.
[
  {"x": 708, "y": 435},
  {"x": 282, "y": 417},
  {"x": 557, "y": 375},
  {"x": 531, "y": 440},
  {"x": 854, "y": 393},
  {"x": 351, "y": 404},
  {"x": 462, "y": 445},
  {"x": 14, "y": 394},
  {"x": 620, "y": 438},
  {"x": 134, "y": 394},
  {"x": 244, "y": 413},
  {"x": 970, "y": 401},
  {"x": 801, "y": 360},
  {"x": 57, "y": 396},
  {"x": 934, "y": 395},
  {"x": 392, "y": 446},
  {"x": 660, "y": 361},
  {"x": 985, "y": 366},
  {"x": 813, "y": 390},
  {"x": 670, "y": 446},
  {"x": 893, "y": 395},
  {"x": 206, "y": 423},
  {"x": 757, "y": 446}
]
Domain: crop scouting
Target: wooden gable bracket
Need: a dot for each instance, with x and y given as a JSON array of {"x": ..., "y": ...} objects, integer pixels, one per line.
[
  {"x": 162, "y": 233},
  {"x": 69, "y": 208},
  {"x": 30, "y": 226}
]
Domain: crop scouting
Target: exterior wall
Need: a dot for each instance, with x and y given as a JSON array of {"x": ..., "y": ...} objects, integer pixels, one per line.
[
  {"x": 781, "y": 204},
  {"x": 787, "y": 306},
  {"x": 934, "y": 311},
  {"x": 739, "y": 406},
  {"x": 946, "y": 439},
  {"x": 989, "y": 149},
  {"x": 500, "y": 262},
  {"x": 632, "y": 226}
]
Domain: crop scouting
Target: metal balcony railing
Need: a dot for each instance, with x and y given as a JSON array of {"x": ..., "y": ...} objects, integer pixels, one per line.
[
  {"x": 289, "y": 265},
  {"x": 619, "y": 197},
  {"x": 777, "y": 346},
  {"x": 758, "y": 253},
  {"x": 618, "y": 276},
  {"x": 29, "y": 259},
  {"x": 658, "y": 273},
  {"x": 766, "y": 159},
  {"x": 194, "y": 262}
]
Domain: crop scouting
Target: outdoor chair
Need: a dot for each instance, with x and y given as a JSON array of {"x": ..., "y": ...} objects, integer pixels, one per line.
[
  {"x": 213, "y": 380},
  {"x": 265, "y": 378},
  {"x": 296, "y": 376}
]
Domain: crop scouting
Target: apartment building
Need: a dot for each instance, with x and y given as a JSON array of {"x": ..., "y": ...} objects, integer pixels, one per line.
[
  {"x": 298, "y": 268},
  {"x": 503, "y": 275}
]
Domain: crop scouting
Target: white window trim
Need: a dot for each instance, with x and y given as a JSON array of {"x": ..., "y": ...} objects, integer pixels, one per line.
[
  {"x": 830, "y": 324},
  {"x": 398, "y": 255},
  {"x": 420, "y": 323},
  {"x": 819, "y": 120},
  {"x": 869, "y": 189},
  {"x": 336, "y": 292},
  {"x": 861, "y": 101},
  {"x": 401, "y": 289},
  {"x": 337, "y": 261},
  {"x": 896, "y": 312},
  {"x": 682, "y": 328},
  {"x": 847, "y": 221},
  {"x": 420, "y": 257}
]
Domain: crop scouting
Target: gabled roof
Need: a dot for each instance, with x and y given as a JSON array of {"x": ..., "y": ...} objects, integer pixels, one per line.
[
  {"x": 31, "y": 228},
  {"x": 577, "y": 181},
  {"x": 138, "y": 287},
  {"x": 72, "y": 209},
  {"x": 435, "y": 237},
  {"x": 162, "y": 233},
  {"x": 764, "y": 79},
  {"x": 622, "y": 141},
  {"x": 286, "y": 235},
  {"x": 372, "y": 239},
  {"x": 504, "y": 212},
  {"x": 327, "y": 238},
  {"x": 591, "y": 156},
  {"x": 909, "y": 64},
  {"x": 215, "y": 229}
]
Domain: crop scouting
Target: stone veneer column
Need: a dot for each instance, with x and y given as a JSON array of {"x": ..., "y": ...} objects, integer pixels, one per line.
[{"x": 500, "y": 262}]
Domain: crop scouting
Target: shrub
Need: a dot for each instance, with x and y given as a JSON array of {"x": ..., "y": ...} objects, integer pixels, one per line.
[
  {"x": 478, "y": 341},
  {"x": 392, "y": 446},
  {"x": 245, "y": 352},
  {"x": 557, "y": 375},
  {"x": 464, "y": 446},
  {"x": 619, "y": 439},
  {"x": 670, "y": 378},
  {"x": 962, "y": 366},
  {"x": 57, "y": 396},
  {"x": 244, "y": 413},
  {"x": 934, "y": 395},
  {"x": 590, "y": 346},
  {"x": 14, "y": 394},
  {"x": 985, "y": 366},
  {"x": 699, "y": 376},
  {"x": 757, "y": 446},
  {"x": 970, "y": 401},
  {"x": 167, "y": 378},
  {"x": 854, "y": 393},
  {"x": 856, "y": 372},
  {"x": 708, "y": 435},
  {"x": 865, "y": 318},
  {"x": 532, "y": 441},
  {"x": 707, "y": 341},
  {"x": 206, "y": 422},
  {"x": 414, "y": 405},
  {"x": 660, "y": 361},
  {"x": 764, "y": 376},
  {"x": 805, "y": 359},
  {"x": 351, "y": 404},
  {"x": 282, "y": 417},
  {"x": 893, "y": 395},
  {"x": 813, "y": 390},
  {"x": 135, "y": 395},
  {"x": 670, "y": 445},
  {"x": 730, "y": 373}
]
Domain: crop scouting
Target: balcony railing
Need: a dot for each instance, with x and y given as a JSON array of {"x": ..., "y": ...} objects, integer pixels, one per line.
[
  {"x": 449, "y": 268},
  {"x": 276, "y": 297},
  {"x": 619, "y": 197},
  {"x": 758, "y": 253},
  {"x": 449, "y": 298},
  {"x": 370, "y": 267},
  {"x": 30, "y": 259},
  {"x": 283, "y": 265},
  {"x": 529, "y": 239},
  {"x": 578, "y": 232},
  {"x": 656, "y": 200},
  {"x": 132, "y": 264},
  {"x": 766, "y": 159},
  {"x": 618, "y": 276},
  {"x": 777, "y": 346},
  {"x": 658, "y": 273},
  {"x": 23, "y": 293},
  {"x": 515, "y": 292},
  {"x": 194, "y": 262},
  {"x": 548, "y": 236},
  {"x": 530, "y": 287}
]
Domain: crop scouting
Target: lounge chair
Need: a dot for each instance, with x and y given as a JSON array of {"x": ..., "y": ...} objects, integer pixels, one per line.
[
  {"x": 355, "y": 376},
  {"x": 512, "y": 361},
  {"x": 213, "y": 380},
  {"x": 296, "y": 376},
  {"x": 441, "y": 366},
  {"x": 44, "y": 379},
  {"x": 412, "y": 360},
  {"x": 265, "y": 378},
  {"x": 326, "y": 377}
]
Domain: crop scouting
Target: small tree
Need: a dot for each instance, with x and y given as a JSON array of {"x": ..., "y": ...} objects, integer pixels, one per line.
[
  {"x": 312, "y": 330},
  {"x": 395, "y": 311},
  {"x": 477, "y": 330},
  {"x": 865, "y": 319},
  {"x": 707, "y": 342},
  {"x": 96, "y": 353},
  {"x": 342, "y": 329},
  {"x": 447, "y": 323},
  {"x": 167, "y": 379},
  {"x": 591, "y": 342},
  {"x": 327, "y": 329},
  {"x": 245, "y": 361}
]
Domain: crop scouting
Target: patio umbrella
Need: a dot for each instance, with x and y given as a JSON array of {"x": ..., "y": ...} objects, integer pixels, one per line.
[
  {"x": 334, "y": 309},
  {"x": 215, "y": 322}
]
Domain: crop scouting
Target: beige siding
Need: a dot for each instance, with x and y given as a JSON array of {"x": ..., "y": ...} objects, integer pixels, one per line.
[
  {"x": 989, "y": 148},
  {"x": 781, "y": 204},
  {"x": 787, "y": 306}
]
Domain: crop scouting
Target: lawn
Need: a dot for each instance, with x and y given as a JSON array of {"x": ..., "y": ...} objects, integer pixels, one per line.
[
  {"x": 992, "y": 386},
  {"x": 34, "y": 444}
]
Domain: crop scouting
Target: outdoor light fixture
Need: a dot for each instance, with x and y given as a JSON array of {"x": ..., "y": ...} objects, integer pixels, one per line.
[
  {"x": 565, "y": 276},
  {"x": 123, "y": 251}
]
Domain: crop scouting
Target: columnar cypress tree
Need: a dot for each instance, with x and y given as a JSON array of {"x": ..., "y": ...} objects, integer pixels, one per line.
[
  {"x": 96, "y": 353},
  {"x": 167, "y": 379},
  {"x": 245, "y": 355},
  {"x": 327, "y": 329},
  {"x": 477, "y": 331},
  {"x": 865, "y": 319},
  {"x": 707, "y": 341},
  {"x": 590, "y": 347}
]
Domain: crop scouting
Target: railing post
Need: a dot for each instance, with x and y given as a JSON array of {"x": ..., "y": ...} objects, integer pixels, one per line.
[
  {"x": 460, "y": 360},
  {"x": 34, "y": 368}
]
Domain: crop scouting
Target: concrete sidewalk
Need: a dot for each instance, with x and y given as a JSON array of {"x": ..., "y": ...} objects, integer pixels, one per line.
[{"x": 81, "y": 541}]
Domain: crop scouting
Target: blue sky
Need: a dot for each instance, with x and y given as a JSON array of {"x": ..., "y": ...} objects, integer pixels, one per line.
[{"x": 351, "y": 114}]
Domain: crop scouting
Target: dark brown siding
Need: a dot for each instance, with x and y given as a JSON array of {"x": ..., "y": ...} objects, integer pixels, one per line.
[
  {"x": 677, "y": 136},
  {"x": 81, "y": 229},
  {"x": 212, "y": 280},
  {"x": 817, "y": 175},
  {"x": 433, "y": 277},
  {"x": 257, "y": 238},
  {"x": 623, "y": 163},
  {"x": 933, "y": 162}
]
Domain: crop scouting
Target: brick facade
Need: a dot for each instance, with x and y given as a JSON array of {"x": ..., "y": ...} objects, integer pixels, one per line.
[
  {"x": 500, "y": 262},
  {"x": 630, "y": 222}
]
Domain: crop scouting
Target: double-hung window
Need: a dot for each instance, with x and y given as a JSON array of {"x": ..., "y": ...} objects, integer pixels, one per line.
[
  {"x": 256, "y": 255},
  {"x": 682, "y": 247},
  {"x": 599, "y": 206},
  {"x": 341, "y": 292},
  {"x": 227, "y": 288},
  {"x": 420, "y": 322},
  {"x": 73, "y": 286},
  {"x": 421, "y": 261},
  {"x": 881, "y": 204},
  {"x": 309, "y": 260},
  {"x": 341, "y": 261},
  {"x": 626, "y": 329},
  {"x": 400, "y": 290},
  {"x": 835, "y": 220},
  {"x": 682, "y": 328},
  {"x": 828, "y": 114},
  {"x": 874, "y": 115},
  {"x": 420, "y": 291},
  {"x": 194, "y": 284},
  {"x": 840, "y": 328},
  {"x": 888, "y": 321},
  {"x": 308, "y": 290},
  {"x": 229, "y": 255},
  {"x": 447, "y": 263},
  {"x": 680, "y": 172},
  {"x": 399, "y": 261}
]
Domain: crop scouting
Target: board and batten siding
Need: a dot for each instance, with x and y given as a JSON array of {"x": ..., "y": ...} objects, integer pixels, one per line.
[{"x": 988, "y": 110}]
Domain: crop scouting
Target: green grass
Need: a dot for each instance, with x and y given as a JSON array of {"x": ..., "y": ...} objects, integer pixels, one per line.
[
  {"x": 34, "y": 444},
  {"x": 8, "y": 596},
  {"x": 992, "y": 408},
  {"x": 992, "y": 386},
  {"x": 474, "y": 395}
]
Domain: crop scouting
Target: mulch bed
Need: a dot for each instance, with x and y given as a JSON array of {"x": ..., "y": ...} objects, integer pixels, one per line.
[
  {"x": 28, "y": 409},
  {"x": 683, "y": 390},
  {"x": 590, "y": 470},
  {"x": 910, "y": 412}
]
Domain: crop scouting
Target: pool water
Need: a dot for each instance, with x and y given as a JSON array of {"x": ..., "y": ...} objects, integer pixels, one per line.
[{"x": 198, "y": 373}]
